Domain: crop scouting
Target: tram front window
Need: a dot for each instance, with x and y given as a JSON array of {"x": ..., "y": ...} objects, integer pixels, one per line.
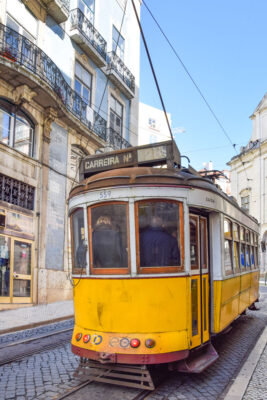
[
  {"x": 109, "y": 236},
  {"x": 159, "y": 234}
]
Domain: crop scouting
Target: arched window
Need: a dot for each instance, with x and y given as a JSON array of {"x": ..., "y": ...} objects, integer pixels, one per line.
[{"x": 16, "y": 129}]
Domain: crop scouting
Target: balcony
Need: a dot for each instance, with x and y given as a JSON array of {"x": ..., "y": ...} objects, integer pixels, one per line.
[
  {"x": 120, "y": 75},
  {"x": 22, "y": 62},
  {"x": 87, "y": 37},
  {"x": 115, "y": 140},
  {"x": 58, "y": 9}
]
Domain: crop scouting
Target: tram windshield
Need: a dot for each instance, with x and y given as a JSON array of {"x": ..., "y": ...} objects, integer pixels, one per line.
[
  {"x": 159, "y": 233},
  {"x": 109, "y": 236}
]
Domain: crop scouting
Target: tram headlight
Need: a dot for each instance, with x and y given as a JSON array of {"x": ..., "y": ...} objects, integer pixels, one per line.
[
  {"x": 150, "y": 343},
  {"x": 135, "y": 343}
]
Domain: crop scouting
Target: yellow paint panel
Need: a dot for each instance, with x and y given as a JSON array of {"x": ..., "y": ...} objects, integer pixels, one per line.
[
  {"x": 120, "y": 305},
  {"x": 254, "y": 290},
  {"x": 230, "y": 289},
  {"x": 217, "y": 295}
]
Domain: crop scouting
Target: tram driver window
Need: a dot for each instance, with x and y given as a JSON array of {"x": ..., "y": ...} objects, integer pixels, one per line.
[
  {"x": 109, "y": 238},
  {"x": 159, "y": 232},
  {"x": 78, "y": 245}
]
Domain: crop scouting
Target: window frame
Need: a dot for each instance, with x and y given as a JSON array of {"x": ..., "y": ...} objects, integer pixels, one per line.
[
  {"x": 108, "y": 271},
  {"x": 90, "y": 89},
  {"x": 194, "y": 267},
  {"x": 116, "y": 44},
  {"x": 76, "y": 271},
  {"x": 116, "y": 115},
  {"x": 228, "y": 237},
  {"x": 236, "y": 241},
  {"x": 166, "y": 269},
  {"x": 14, "y": 113}
]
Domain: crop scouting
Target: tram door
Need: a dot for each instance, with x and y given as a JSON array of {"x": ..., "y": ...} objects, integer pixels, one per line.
[{"x": 199, "y": 279}]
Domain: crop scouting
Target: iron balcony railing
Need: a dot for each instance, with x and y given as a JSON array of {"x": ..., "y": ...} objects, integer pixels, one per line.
[
  {"x": 116, "y": 140},
  {"x": 114, "y": 62},
  {"x": 65, "y": 5},
  {"x": 87, "y": 30},
  {"x": 20, "y": 50}
]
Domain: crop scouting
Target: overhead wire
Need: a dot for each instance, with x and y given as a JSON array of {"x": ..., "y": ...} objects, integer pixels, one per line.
[{"x": 196, "y": 86}]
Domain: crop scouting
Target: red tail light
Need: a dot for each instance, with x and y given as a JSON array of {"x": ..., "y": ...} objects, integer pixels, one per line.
[
  {"x": 78, "y": 336},
  {"x": 86, "y": 338},
  {"x": 135, "y": 343}
]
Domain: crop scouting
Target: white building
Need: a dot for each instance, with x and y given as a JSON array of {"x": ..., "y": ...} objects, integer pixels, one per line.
[
  {"x": 69, "y": 87},
  {"x": 152, "y": 125},
  {"x": 249, "y": 174}
]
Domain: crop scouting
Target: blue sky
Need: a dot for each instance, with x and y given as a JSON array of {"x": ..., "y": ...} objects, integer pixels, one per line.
[{"x": 223, "y": 45}]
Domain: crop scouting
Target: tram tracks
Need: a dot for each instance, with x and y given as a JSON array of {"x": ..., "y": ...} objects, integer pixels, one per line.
[{"x": 15, "y": 351}]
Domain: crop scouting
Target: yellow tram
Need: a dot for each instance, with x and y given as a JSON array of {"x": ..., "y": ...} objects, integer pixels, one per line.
[{"x": 162, "y": 260}]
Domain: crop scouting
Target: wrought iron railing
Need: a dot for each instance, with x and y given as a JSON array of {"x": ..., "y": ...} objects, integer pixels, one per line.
[
  {"x": 114, "y": 62},
  {"x": 20, "y": 50},
  {"x": 87, "y": 30},
  {"x": 115, "y": 140},
  {"x": 65, "y": 5}
]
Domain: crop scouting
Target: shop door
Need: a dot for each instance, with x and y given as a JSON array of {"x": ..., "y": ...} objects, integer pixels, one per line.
[
  {"x": 15, "y": 270},
  {"x": 199, "y": 280}
]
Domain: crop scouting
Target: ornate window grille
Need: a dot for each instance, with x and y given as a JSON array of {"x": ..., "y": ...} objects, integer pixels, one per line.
[{"x": 16, "y": 192}]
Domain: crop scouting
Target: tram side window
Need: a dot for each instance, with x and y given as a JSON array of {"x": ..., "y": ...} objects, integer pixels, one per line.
[
  {"x": 236, "y": 247},
  {"x": 228, "y": 255},
  {"x": 243, "y": 249},
  {"x": 109, "y": 238},
  {"x": 248, "y": 249},
  {"x": 159, "y": 236},
  {"x": 78, "y": 245},
  {"x": 193, "y": 242}
]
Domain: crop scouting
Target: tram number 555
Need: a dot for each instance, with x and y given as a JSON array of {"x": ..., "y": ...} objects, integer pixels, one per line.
[{"x": 105, "y": 194}]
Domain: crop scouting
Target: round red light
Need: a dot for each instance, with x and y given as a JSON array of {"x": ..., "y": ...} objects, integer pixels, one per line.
[
  {"x": 150, "y": 343},
  {"x": 135, "y": 343},
  {"x": 86, "y": 338},
  {"x": 78, "y": 336}
]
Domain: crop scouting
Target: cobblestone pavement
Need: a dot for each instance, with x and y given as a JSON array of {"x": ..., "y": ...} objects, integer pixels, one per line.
[
  {"x": 33, "y": 332},
  {"x": 46, "y": 375},
  {"x": 257, "y": 388},
  {"x": 233, "y": 350}
]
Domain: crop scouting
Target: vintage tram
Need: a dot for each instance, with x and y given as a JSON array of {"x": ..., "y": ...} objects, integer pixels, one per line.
[{"x": 162, "y": 260}]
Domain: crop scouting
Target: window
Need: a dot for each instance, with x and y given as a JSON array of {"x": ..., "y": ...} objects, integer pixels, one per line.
[
  {"x": 109, "y": 238},
  {"x": 5, "y": 248},
  {"x": 16, "y": 130},
  {"x": 152, "y": 123},
  {"x": 159, "y": 236},
  {"x": 118, "y": 43},
  {"x": 116, "y": 115},
  {"x": 247, "y": 235},
  {"x": 228, "y": 255},
  {"x": 236, "y": 247},
  {"x": 245, "y": 202},
  {"x": 243, "y": 248},
  {"x": 152, "y": 139},
  {"x": 78, "y": 245},
  {"x": 193, "y": 221},
  {"x": 87, "y": 7},
  {"x": 83, "y": 83}
]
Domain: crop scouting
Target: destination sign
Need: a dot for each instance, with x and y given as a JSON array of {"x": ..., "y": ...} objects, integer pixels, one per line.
[
  {"x": 147, "y": 155},
  {"x": 108, "y": 161}
]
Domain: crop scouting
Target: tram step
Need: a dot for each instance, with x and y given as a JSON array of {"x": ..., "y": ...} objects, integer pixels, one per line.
[
  {"x": 116, "y": 374},
  {"x": 199, "y": 360}
]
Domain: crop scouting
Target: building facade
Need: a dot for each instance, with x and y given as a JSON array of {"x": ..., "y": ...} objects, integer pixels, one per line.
[
  {"x": 69, "y": 87},
  {"x": 153, "y": 127},
  {"x": 249, "y": 175}
]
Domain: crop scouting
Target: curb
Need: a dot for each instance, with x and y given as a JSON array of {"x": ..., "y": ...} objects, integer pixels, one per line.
[
  {"x": 240, "y": 384},
  {"x": 35, "y": 324}
]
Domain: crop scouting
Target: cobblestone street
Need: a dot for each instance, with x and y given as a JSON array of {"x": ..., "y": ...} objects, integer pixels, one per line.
[{"x": 49, "y": 373}]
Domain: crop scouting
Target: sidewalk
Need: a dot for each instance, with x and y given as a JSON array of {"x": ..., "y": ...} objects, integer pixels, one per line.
[
  {"x": 30, "y": 317},
  {"x": 251, "y": 382}
]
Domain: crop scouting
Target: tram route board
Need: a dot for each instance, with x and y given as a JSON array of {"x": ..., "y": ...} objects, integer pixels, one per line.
[{"x": 149, "y": 155}]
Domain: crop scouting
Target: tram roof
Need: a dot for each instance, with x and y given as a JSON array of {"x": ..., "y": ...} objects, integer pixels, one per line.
[{"x": 146, "y": 176}]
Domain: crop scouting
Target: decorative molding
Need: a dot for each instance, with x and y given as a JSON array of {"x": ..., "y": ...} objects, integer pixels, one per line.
[
  {"x": 50, "y": 116},
  {"x": 23, "y": 94}
]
